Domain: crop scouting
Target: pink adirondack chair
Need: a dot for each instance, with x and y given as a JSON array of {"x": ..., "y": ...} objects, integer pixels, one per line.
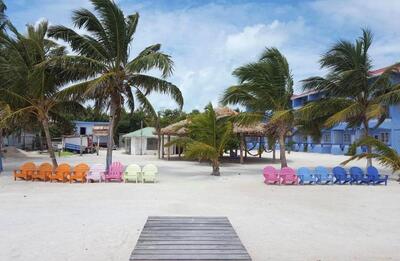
[
  {"x": 288, "y": 176},
  {"x": 96, "y": 173},
  {"x": 114, "y": 172},
  {"x": 271, "y": 175}
]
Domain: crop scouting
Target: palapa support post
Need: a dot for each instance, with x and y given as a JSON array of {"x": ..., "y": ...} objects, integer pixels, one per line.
[
  {"x": 162, "y": 146},
  {"x": 244, "y": 146},
  {"x": 260, "y": 151},
  {"x": 241, "y": 148},
  {"x": 168, "y": 148}
]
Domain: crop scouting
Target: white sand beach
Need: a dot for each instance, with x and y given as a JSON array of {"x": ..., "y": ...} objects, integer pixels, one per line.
[{"x": 48, "y": 221}]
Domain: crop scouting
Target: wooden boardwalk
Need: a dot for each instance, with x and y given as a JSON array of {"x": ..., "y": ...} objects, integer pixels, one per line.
[{"x": 189, "y": 239}]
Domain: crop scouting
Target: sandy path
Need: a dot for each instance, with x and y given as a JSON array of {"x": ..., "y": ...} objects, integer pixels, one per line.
[{"x": 43, "y": 221}]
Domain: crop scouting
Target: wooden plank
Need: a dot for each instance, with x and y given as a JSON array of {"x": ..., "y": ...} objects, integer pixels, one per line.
[
  {"x": 183, "y": 251},
  {"x": 191, "y": 257},
  {"x": 189, "y": 239},
  {"x": 182, "y": 246},
  {"x": 182, "y": 242}
]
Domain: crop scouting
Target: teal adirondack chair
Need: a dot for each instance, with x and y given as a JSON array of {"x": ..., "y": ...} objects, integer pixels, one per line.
[
  {"x": 133, "y": 173},
  {"x": 149, "y": 173}
]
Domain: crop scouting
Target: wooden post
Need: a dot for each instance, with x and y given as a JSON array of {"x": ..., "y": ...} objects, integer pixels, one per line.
[
  {"x": 260, "y": 150},
  {"x": 245, "y": 146},
  {"x": 162, "y": 146},
  {"x": 98, "y": 145},
  {"x": 158, "y": 145},
  {"x": 241, "y": 148},
  {"x": 168, "y": 151}
]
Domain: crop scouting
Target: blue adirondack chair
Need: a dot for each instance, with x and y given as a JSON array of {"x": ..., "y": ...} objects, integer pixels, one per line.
[
  {"x": 323, "y": 176},
  {"x": 341, "y": 176},
  {"x": 374, "y": 177},
  {"x": 306, "y": 176},
  {"x": 358, "y": 176}
]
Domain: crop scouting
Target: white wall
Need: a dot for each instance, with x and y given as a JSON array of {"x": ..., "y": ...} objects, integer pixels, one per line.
[{"x": 139, "y": 145}]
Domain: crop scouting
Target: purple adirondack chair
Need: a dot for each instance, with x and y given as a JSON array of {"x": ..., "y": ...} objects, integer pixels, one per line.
[
  {"x": 271, "y": 175},
  {"x": 288, "y": 176},
  {"x": 114, "y": 172},
  {"x": 96, "y": 173}
]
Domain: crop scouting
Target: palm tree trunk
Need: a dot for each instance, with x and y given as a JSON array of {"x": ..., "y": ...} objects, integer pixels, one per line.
[
  {"x": 215, "y": 166},
  {"x": 369, "y": 149},
  {"x": 111, "y": 126},
  {"x": 45, "y": 123},
  {"x": 282, "y": 150}
]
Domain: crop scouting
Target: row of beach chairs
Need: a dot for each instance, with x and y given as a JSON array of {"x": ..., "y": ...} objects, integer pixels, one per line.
[
  {"x": 83, "y": 173},
  {"x": 321, "y": 175}
]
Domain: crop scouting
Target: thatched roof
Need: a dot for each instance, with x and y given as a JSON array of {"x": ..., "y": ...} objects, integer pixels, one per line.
[
  {"x": 224, "y": 112},
  {"x": 176, "y": 129},
  {"x": 258, "y": 129},
  {"x": 179, "y": 128}
]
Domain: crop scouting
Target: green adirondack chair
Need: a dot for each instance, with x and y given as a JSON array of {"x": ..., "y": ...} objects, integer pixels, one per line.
[
  {"x": 149, "y": 173},
  {"x": 133, "y": 173}
]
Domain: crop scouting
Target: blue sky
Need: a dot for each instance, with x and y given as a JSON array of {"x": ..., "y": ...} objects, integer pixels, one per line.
[{"x": 209, "y": 39}]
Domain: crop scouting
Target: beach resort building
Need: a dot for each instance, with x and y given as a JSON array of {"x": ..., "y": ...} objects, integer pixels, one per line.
[
  {"x": 338, "y": 139},
  {"x": 141, "y": 142}
]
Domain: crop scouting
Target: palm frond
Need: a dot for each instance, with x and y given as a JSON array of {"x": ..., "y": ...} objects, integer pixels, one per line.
[{"x": 149, "y": 84}]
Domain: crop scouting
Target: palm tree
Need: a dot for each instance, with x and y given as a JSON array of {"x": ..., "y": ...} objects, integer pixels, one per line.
[
  {"x": 103, "y": 53},
  {"x": 3, "y": 17},
  {"x": 265, "y": 88},
  {"x": 30, "y": 85},
  {"x": 385, "y": 155},
  {"x": 349, "y": 87},
  {"x": 208, "y": 135}
]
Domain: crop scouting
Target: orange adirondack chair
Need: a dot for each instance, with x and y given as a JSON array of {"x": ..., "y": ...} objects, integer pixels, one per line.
[
  {"x": 79, "y": 173},
  {"x": 43, "y": 173},
  {"x": 25, "y": 172},
  {"x": 61, "y": 173}
]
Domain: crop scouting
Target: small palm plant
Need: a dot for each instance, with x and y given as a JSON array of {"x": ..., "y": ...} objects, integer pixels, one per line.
[
  {"x": 265, "y": 88},
  {"x": 355, "y": 95},
  {"x": 115, "y": 79},
  {"x": 208, "y": 135},
  {"x": 385, "y": 155}
]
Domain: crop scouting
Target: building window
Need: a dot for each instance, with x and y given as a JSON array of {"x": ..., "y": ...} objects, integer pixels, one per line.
[
  {"x": 151, "y": 144},
  {"x": 346, "y": 138},
  {"x": 82, "y": 131},
  {"x": 327, "y": 137},
  {"x": 384, "y": 137},
  {"x": 304, "y": 138}
]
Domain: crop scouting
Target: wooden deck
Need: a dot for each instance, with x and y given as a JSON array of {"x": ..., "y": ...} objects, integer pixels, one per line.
[{"x": 189, "y": 239}]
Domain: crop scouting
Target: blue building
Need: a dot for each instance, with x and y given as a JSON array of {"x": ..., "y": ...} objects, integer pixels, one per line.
[
  {"x": 88, "y": 128},
  {"x": 338, "y": 139}
]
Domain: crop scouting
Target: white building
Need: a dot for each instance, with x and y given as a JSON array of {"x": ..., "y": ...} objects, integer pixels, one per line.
[{"x": 141, "y": 142}]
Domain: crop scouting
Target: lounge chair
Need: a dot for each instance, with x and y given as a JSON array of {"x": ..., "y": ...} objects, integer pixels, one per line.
[
  {"x": 114, "y": 172},
  {"x": 306, "y": 176},
  {"x": 323, "y": 176},
  {"x": 288, "y": 176},
  {"x": 133, "y": 173},
  {"x": 80, "y": 172},
  {"x": 61, "y": 173},
  {"x": 25, "y": 172},
  {"x": 374, "y": 177},
  {"x": 271, "y": 175},
  {"x": 341, "y": 176},
  {"x": 358, "y": 176},
  {"x": 43, "y": 173},
  {"x": 96, "y": 173},
  {"x": 149, "y": 172}
]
